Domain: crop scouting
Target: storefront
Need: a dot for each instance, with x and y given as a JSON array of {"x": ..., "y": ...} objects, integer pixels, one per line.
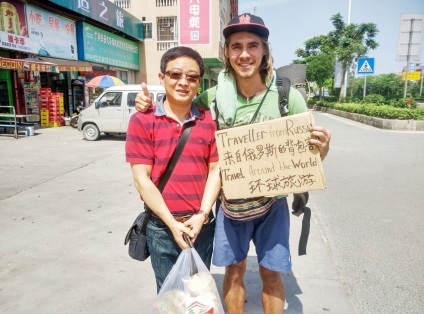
[{"x": 42, "y": 51}]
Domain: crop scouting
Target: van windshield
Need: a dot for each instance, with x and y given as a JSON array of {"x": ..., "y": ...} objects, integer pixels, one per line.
[{"x": 110, "y": 99}]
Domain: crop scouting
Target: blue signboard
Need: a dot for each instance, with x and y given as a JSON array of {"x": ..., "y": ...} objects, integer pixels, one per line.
[
  {"x": 366, "y": 66},
  {"x": 106, "y": 13}
]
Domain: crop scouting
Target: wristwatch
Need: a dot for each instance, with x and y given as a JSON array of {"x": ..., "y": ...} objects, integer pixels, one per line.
[{"x": 206, "y": 215}]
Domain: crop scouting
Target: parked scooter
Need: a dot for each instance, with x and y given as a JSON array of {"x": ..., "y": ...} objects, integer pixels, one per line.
[{"x": 74, "y": 117}]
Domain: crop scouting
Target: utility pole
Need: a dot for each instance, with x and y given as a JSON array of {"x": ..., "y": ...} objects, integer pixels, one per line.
[
  {"x": 408, "y": 56},
  {"x": 346, "y": 76}
]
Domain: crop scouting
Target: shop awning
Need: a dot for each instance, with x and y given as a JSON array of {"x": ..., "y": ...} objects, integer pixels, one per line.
[
  {"x": 70, "y": 65},
  {"x": 28, "y": 65}
]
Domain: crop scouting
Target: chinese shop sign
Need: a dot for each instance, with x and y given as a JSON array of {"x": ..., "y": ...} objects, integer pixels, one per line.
[
  {"x": 107, "y": 13},
  {"x": 100, "y": 46},
  {"x": 36, "y": 31},
  {"x": 194, "y": 22}
]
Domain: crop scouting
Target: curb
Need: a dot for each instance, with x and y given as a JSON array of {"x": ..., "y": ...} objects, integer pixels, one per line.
[{"x": 388, "y": 124}]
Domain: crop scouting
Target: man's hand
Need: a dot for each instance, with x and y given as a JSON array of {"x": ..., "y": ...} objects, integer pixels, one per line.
[
  {"x": 177, "y": 229},
  {"x": 320, "y": 137},
  {"x": 195, "y": 223},
  {"x": 143, "y": 100}
]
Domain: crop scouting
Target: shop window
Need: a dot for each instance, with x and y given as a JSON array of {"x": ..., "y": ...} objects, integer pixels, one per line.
[
  {"x": 167, "y": 32},
  {"x": 147, "y": 31}
]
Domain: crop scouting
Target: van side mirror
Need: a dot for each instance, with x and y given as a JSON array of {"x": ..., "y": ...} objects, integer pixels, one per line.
[{"x": 96, "y": 105}]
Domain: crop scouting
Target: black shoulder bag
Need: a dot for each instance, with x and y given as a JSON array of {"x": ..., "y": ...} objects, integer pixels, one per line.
[{"x": 136, "y": 236}]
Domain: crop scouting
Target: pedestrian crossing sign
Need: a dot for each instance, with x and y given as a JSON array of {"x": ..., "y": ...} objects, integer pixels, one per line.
[{"x": 366, "y": 66}]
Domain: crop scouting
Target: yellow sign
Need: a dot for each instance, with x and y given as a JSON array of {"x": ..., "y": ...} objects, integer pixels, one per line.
[
  {"x": 412, "y": 76},
  {"x": 269, "y": 158}
]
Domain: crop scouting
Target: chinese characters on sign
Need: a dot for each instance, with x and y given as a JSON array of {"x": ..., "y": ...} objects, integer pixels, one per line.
[
  {"x": 195, "y": 22},
  {"x": 55, "y": 35},
  {"x": 36, "y": 31},
  {"x": 14, "y": 64},
  {"x": 269, "y": 158},
  {"x": 105, "y": 12},
  {"x": 100, "y": 46}
]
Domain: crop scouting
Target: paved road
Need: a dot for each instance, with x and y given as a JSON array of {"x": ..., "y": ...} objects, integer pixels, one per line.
[
  {"x": 371, "y": 214},
  {"x": 65, "y": 206}
]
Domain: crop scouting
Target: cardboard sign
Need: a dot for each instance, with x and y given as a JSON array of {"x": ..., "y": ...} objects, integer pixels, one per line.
[{"x": 269, "y": 158}]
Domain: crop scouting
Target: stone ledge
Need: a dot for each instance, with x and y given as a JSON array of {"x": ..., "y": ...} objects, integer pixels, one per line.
[{"x": 388, "y": 124}]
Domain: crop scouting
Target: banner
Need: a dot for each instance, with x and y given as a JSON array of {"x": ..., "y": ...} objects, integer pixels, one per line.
[
  {"x": 55, "y": 35},
  {"x": 100, "y": 46},
  {"x": 107, "y": 13},
  {"x": 24, "y": 65},
  {"x": 36, "y": 31},
  {"x": 195, "y": 22},
  {"x": 269, "y": 158}
]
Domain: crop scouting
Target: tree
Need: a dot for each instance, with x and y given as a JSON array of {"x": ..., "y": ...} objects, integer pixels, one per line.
[
  {"x": 346, "y": 43},
  {"x": 350, "y": 42},
  {"x": 319, "y": 69},
  {"x": 388, "y": 85},
  {"x": 319, "y": 62}
]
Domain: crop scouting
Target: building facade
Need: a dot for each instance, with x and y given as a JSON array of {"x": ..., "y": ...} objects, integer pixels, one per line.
[
  {"x": 49, "y": 50},
  {"x": 170, "y": 23}
]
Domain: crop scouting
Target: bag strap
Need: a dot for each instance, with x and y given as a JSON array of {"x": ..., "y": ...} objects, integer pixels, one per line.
[
  {"x": 283, "y": 85},
  {"x": 175, "y": 156},
  {"x": 170, "y": 167},
  {"x": 299, "y": 207},
  {"x": 260, "y": 105}
]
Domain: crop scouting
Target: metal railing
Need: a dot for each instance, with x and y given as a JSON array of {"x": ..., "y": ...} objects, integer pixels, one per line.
[
  {"x": 166, "y": 3},
  {"x": 165, "y": 45}
]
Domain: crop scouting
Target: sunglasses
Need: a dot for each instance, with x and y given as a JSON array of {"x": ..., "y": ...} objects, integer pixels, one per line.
[{"x": 192, "y": 78}]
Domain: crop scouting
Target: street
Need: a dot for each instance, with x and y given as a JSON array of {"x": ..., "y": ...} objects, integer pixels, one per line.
[
  {"x": 371, "y": 217},
  {"x": 66, "y": 204}
]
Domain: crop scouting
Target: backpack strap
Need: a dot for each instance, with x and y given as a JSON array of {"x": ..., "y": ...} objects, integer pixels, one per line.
[
  {"x": 283, "y": 85},
  {"x": 299, "y": 200}
]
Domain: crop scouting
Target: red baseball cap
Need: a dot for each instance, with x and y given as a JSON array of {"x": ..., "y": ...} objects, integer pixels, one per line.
[{"x": 246, "y": 22}]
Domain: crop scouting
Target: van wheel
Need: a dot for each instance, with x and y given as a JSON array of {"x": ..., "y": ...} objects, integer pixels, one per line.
[{"x": 91, "y": 132}]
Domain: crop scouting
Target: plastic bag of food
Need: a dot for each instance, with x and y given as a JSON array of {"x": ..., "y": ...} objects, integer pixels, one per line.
[{"x": 189, "y": 288}]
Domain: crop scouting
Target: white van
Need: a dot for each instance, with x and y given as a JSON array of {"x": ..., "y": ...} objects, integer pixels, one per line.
[{"x": 111, "y": 111}]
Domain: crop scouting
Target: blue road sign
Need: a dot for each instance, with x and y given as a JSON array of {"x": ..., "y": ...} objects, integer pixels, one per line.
[{"x": 366, "y": 66}]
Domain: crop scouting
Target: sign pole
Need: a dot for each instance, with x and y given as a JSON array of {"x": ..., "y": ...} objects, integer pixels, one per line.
[{"x": 365, "y": 86}]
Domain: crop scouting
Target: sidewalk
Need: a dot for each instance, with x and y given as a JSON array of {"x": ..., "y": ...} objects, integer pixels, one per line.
[{"x": 66, "y": 205}]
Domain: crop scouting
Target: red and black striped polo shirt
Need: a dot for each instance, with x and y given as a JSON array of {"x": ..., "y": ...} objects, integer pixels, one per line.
[{"x": 151, "y": 140}]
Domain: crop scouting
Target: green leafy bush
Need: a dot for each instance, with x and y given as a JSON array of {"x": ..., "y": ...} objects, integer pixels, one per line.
[
  {"x": 379, "y": 111},
  {"x": 374, "y": 99}
]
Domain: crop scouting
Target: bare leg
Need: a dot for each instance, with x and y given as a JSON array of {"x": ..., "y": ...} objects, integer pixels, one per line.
[
  {"x": 234, "y": 292},
  {"x": 273, "y": 295}
]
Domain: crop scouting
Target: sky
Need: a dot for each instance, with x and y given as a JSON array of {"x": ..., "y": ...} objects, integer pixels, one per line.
[{"x": 292, "y": 22}]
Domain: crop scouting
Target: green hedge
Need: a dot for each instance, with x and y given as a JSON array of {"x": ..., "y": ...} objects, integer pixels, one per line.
[{"x": 379, "y": 111}]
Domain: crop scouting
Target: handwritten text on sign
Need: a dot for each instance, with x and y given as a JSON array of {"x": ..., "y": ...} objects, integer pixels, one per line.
[{"x": 269, "y": 158}]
